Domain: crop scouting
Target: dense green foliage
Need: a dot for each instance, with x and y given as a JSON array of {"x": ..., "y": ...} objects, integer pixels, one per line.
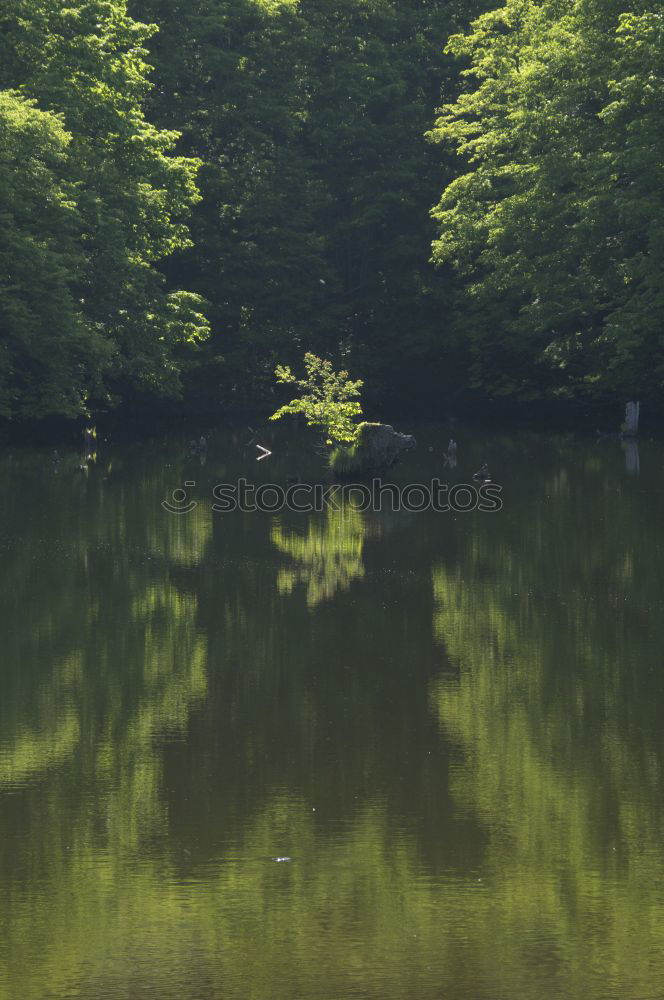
[
  {"x": 91, "y": 198},
  {"x": 314, "y": 229},
  {"x": 271, "y": 157},
  {"x": 556, "y": 218}
]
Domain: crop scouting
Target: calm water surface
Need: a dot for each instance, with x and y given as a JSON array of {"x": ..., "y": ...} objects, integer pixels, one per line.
[{"x": 345, "y": 755}]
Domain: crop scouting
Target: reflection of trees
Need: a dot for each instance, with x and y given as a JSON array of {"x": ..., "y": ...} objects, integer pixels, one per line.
[
  {"x": 124, "y": 622},
  {"x": 346, "y": 912},
  {"x": 557, "y": 708},
  {"x": 102, "y": 660},
  {"x": 170, "y": 721},
  {"x": 102, "y": 652},
  {"x": 327, "y": 559}
]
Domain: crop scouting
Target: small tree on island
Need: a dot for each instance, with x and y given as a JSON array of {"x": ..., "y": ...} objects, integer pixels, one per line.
[{"x": 327, "y": 399}]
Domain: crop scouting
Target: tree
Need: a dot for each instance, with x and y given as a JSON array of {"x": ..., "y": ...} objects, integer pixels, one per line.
[
  {"x": 635, "y": 159},
  {"x": 229, "y": 75},
  {"x": 543, "y": 222},
  {"x": 314, "y": 229},
  {"x": 328, "y": 399},
  {"x": 49, "y": 357},
  {"x": 127, "y": 202}
]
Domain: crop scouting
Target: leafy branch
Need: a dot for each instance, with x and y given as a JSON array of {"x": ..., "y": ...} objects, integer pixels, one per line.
[{"x": 327, "y": 399}]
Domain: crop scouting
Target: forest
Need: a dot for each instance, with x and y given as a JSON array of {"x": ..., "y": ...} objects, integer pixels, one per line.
[{"x": 462, "y": 202}]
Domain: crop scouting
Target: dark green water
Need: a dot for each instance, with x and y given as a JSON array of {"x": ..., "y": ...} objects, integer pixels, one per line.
[{"x": 449, "y": 725}]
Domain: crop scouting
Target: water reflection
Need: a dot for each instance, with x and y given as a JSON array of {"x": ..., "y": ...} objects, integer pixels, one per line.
[
  {"x": 555, "y": 704},
  {"x": 449, "y": 725},
  {"x": 327, "y": 559},
  {"x": 631, "y": 449}
]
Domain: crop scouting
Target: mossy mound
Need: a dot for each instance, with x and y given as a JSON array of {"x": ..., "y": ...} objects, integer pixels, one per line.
[{"x": 376, "y": 448}]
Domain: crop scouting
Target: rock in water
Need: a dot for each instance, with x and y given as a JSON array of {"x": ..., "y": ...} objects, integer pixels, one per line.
[{"x": 377, "y": 447}]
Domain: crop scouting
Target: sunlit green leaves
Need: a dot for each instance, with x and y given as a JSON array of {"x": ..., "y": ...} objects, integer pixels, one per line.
[
  {"x": 328, "y": 399},
  {"x": 553, "y": 223},
  {"x": 85, "y": 307}
]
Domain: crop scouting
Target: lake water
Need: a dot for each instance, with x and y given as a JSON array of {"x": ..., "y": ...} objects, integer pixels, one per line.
[{"x": 338, "y": 755}]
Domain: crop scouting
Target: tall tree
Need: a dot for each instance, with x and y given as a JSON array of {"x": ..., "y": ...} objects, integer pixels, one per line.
[
  {"x": 126, "y": 198},
  {"x": 554, "y": 220},
  {"x": 49, "y": 357}
]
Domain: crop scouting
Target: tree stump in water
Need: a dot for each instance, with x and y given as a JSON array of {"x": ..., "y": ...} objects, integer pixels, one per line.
[{"x": 631, "y": 426}]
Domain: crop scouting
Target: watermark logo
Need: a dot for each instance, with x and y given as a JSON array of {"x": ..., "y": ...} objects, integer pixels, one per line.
[
  {"x": 309, "y": 498},
  {"x": 179, "y": 502}
]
